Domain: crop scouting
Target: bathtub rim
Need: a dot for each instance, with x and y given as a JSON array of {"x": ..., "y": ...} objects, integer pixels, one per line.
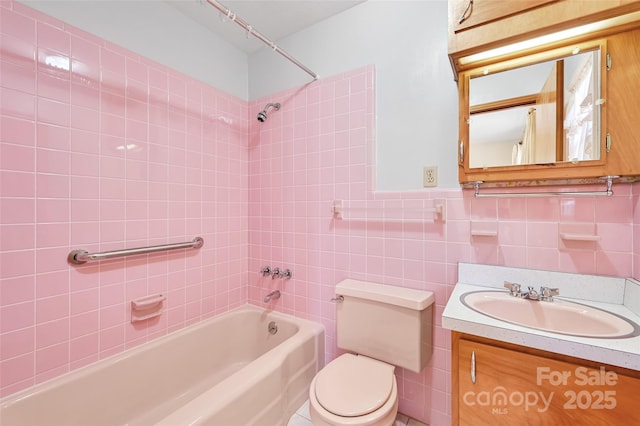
[{"x": 304, "y": 325}]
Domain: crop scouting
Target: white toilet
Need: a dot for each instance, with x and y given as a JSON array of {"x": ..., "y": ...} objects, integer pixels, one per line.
[{"x": 385, "y": 326}]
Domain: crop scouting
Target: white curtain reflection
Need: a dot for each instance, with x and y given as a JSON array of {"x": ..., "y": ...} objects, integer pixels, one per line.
[
  {"x": 578, "y": 122},
  {"x": 523, "y": 152}
]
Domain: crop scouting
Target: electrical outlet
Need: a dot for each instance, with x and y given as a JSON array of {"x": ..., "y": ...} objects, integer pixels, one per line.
[{"x": 430, "y": 176}]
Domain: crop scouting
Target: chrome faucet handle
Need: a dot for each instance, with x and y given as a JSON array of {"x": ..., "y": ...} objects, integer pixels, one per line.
[
  {"x": 548, "y": 293},
  {"x": 286, "y": 274},
  {"x": 266, "y": 270},
  {"x": 276, "y": 273},
  {"x": 514, "y": 288}
]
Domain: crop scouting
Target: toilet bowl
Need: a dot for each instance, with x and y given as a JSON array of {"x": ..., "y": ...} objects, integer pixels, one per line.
[
  {"x": 387, "y": 327},
  {"x": 354, "y": 390}
]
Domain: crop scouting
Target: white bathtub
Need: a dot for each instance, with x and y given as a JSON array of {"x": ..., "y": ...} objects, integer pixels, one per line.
[{"x": 228, "y": 370}]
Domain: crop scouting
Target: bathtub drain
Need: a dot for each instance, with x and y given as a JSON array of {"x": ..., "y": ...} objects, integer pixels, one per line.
[{"x": 273, "y": 327}]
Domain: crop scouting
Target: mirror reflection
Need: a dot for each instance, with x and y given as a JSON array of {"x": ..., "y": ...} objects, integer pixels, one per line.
[{"x": 542, "y": 113}]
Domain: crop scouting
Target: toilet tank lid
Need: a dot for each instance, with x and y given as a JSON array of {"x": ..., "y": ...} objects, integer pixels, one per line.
[{"x": 399, "y": 296}]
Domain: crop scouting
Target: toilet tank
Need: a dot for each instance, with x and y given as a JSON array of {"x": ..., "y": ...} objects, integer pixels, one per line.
[{"x": 388, "y": 323}]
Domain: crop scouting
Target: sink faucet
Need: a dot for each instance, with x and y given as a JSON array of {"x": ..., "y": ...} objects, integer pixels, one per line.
[
  {"x": 532, "y": 294},
  {"x": 273, "y": 295},
  {"x": 545, "y": 294}
]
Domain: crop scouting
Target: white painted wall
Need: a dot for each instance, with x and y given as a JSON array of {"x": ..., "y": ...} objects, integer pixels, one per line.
[
  {"x": 416, "y": 94},
  {"x": 159, "y": 32}
]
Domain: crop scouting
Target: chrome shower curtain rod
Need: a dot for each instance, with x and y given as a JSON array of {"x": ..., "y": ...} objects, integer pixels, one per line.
[{"x": 232, "y": 16}]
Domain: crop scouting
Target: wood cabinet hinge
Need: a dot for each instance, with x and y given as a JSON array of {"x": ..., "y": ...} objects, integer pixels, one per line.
[
  {"x": 608, "y": 142},
  {"x": 608, "y": 59}
]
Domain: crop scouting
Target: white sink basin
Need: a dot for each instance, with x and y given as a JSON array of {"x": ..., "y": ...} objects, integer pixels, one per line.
[{"x": 558, "y": 316}]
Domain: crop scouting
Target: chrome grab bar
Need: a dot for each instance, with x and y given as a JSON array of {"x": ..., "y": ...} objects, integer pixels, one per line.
[{"x": 81, "y": 256}]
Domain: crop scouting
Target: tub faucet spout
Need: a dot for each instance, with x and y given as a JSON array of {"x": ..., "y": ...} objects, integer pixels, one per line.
[{"x": 273, "y": 295}]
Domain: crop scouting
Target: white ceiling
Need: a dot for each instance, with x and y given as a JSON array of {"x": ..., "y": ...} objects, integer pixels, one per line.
[{"x": 273, "y": 19}]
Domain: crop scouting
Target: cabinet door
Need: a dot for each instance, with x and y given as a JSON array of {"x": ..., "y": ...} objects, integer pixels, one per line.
[
  {"x": 623, "y": 104},
  {"x": 488, "y": 24},
  {"x": 469, "y": 13},
  {"x": 498, "y": 386}
]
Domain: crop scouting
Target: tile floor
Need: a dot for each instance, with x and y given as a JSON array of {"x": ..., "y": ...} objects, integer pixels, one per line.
[{"x": 302, "y": 418}]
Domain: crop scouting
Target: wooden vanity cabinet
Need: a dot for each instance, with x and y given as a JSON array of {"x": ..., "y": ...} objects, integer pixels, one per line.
[
  {"x": 497, "y": 383},
  {"x": 487, "y": 24}
]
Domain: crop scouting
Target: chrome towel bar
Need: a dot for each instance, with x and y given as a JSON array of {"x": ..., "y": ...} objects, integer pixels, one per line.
[
  {"x": 82, "y": 256},
  {"x": 607, "y": 192}
]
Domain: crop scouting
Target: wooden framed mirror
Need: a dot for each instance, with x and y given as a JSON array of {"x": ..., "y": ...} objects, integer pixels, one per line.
[{"x": 536, "y": 112}]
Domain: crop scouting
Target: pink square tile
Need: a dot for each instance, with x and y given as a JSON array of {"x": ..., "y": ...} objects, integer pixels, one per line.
[
  {"x": 52, "y": 357},
  {"x": 85, "y": 64},
  {"x": 543, "y": 209},
  {"x": 85, "y": 96},
  {"x": 51, "y": 333},
  {"x": 83, "y": 324},
  {"x": 52, "y": 137},
  {"x": 52, "y": 308},
  {"x": 615, "y": 264},
  {"x": 15, "y": 370},
  {"x": 17, "y": 131},
  {"x": 17, "y": 263},
  {"x": 52, "y": 186},
  {"x": 53, "y": 112},
  {"x": 17, "y": 104},
  {"x": 113, "y": 125},
  {"x": 52, "y": 210},
  {"x": 52, "y": 87},
  {"x": 84, "y": 301},
  {"x": 84, "y": 164},
  {"x": 83, "y": 347},
  {"x": 52, "y": 161},
  {"x": 112, "y": 295},
  {"x": 542, "y": 234},
  {"x": 53, "y": 38},
  {"x": 53, "y": 63},
  {"x": 17, "y": 290},
  {"x": 17, "y": 77},
  {"x": 52, "y": 284},
  {"x": 16, "y": 317},
  {"x": 84, "y": 119},
  {"x": 616, "y": 210},
  {"x": 17, "y": 343},
  {"x": 17, "y": 157},
  {"x": 18, "y": 50},
  {"x": 111, "y": 316},
  {"x": 18, "y": 25}
]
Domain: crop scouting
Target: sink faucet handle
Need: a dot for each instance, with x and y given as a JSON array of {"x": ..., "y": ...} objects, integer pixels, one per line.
[
  {"x": 548, "y": 293},
  {"x": 514, "y": 288}
]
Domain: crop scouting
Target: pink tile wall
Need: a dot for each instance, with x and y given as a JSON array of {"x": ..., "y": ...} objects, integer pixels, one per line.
[
  {"x": 118, "y": 151},
  {"x": 319, "y": 147},
  {"x": 102, "y": 149}
]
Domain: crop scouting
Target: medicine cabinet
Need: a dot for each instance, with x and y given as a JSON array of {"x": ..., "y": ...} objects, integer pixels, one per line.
[{"x": 558, "y": 112}]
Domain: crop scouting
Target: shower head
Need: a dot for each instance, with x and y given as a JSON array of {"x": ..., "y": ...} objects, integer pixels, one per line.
[{"x": 262, "y": 115}]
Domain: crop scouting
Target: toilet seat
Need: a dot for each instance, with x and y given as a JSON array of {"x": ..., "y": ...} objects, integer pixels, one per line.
[{"x": 354, "y": 385}]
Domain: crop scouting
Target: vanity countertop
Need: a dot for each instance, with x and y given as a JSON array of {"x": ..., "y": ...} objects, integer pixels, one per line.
[{"x": 622, "y": 352}]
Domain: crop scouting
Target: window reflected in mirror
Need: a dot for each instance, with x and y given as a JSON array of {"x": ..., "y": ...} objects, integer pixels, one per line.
[{"x": 541, "y": 113}]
